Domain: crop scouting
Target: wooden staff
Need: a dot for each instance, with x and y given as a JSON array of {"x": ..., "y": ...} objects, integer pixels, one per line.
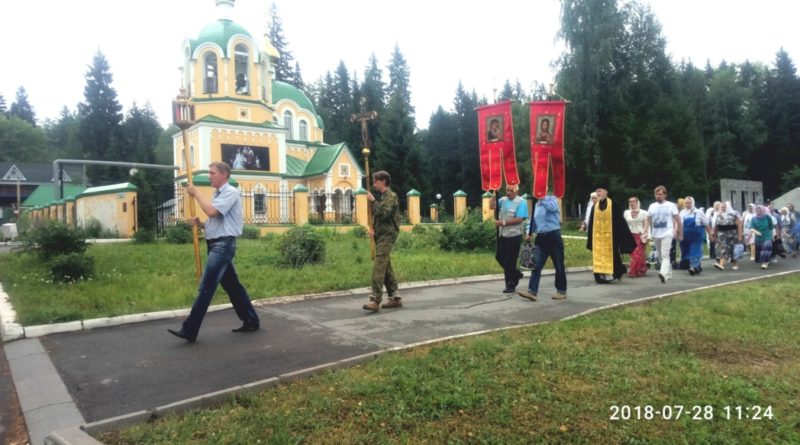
[
  {"x": 195, "y": 237},
  {"x": 183, "y": 116},
  {"x": 365, "y": 151}
]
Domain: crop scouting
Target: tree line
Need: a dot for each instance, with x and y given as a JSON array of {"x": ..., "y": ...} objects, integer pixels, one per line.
[{"x": 636, "y": 118}]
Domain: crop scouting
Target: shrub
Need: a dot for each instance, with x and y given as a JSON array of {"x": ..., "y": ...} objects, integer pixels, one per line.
[
  {"x": 346, "y": 220},
  {"x": 469, "y": 234},
  {"x": 144, "y": 236},
  {"x": 53, "y": 238},
  {"x": 316, "y": 220},
  {"x": 251, "y": 233},
  {"x": 359, "y": 231},
  {"x": 180, "y": 233},
  {"x": 93, "y": 228},
  {"x": 72, "y": 267},
  {"x": 302, "y": 245}
]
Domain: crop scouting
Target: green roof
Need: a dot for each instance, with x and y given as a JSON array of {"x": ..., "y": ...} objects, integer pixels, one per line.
[
  {"x": 108, "y": 189},
  {"x": 283, "y": 90},
  {"x": 218, "y": 120},
  {"x": 46, "y": 193},
  {"x": 320, "y": 163},
  {"x": 459, "y": 193},
  {"x": 295, "y": 166},
  {"x": 219, "y": 33}
]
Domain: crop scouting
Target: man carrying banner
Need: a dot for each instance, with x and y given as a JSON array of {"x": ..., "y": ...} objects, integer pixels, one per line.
[
  {"x": 513, "y": 212},
  {"x": 609, "y": 237}
]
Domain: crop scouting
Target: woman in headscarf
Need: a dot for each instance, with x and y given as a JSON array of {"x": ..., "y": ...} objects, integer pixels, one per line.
[
  {"x": 749, "y": 238},
  {"x": 728, "y": 232},
  {"x": 636, "y": 217},
  {"x": 762, "y": 228},
  {"x": 694, "y": 226},
  {"x": 787, "y": 222}
]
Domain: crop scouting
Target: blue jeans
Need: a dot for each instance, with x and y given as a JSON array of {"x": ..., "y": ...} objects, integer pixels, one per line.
[
  {"x": 219, "y": 270},
  {"x": 549, "y": 245}
]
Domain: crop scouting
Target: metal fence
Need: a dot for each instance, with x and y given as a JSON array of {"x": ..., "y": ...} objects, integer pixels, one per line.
[
  {"x": 259, "y": 205},
  {"x": 337, "y": 207}
]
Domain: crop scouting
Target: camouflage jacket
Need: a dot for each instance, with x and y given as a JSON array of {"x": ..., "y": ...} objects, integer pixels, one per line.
[{"x": 386, "y": 215}]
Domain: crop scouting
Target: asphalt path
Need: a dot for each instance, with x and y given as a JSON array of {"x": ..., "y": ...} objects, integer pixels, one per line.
[{"x": 119, "y": 370}]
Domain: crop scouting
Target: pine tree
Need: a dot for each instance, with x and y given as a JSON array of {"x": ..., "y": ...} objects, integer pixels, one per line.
[
  {"x": 140, "y": 136},
  {"x": 62, "y": 135},
  {"x": 297, "y": 78},
  {"x": 283, "y": 69},
  {"x": 339, "y": 127},
  {"x": 100, "y": 121},
  {"x": 21, "y": 108},
  {"x": 782, "y": 114},
  {"x": 466, "y": 118},
  {"x": 3, "y": 108},
  {"x": 396, "y": 132},
  {"x": 440, "y": 148},
  {"x": 507, "y": 93}
]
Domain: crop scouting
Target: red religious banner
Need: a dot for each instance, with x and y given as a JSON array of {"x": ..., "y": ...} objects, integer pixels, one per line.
[
  {"x": 496, "y": 136},
  {"x": 547, "y": 144}
]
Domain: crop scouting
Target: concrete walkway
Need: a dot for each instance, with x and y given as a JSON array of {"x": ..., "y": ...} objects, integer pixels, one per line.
[{"x": 108, "y": 377}]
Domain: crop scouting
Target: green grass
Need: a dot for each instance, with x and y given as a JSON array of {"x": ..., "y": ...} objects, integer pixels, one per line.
[
  {"x": 553, "y": 383},
  {"x": 136, "y": 278}
]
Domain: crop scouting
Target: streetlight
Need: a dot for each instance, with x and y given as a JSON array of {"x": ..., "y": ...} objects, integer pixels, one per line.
[{"x": 183, "y": 117}]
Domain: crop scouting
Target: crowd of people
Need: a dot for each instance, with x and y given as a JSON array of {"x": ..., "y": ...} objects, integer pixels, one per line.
[{"x": 762, "y": 231}]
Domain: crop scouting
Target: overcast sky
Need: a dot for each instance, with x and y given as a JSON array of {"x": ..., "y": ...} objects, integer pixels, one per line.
[{"x": 49, "y": 44}]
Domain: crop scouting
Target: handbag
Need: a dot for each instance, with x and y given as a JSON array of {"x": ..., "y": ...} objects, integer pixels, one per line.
[
  {"x": 738, "y": 251},
  {"x": 527, "y": 255}
]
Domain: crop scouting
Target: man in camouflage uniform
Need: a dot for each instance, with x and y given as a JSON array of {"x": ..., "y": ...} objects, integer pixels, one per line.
[{"x": 385, "y": 228}]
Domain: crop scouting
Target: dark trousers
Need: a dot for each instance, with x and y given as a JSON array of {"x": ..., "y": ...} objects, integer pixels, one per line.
[
  {"x": 549, "y": 245},
  {"x": 382, "y": 271},
  {"x": 219, "y": 270},
  {"x": 506, "y": 255}
]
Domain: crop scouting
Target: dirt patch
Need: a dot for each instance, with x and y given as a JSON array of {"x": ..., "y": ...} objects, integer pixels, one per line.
[
  {"x": 12, "y": 422},
  {"x": 732, "y": 353}
]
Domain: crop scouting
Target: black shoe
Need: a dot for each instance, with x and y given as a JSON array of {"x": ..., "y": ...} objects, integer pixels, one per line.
[
  {"x": 181, "y": 334},
  {"x": 692, "y": 271},
  {"x": 662, "y": 278},
  {"x": 246, "y": 327},
  {"x": 509, "y": 290}
]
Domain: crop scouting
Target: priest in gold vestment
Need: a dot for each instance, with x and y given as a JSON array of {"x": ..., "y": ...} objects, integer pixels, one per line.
[{"x": 609, "y": 238}]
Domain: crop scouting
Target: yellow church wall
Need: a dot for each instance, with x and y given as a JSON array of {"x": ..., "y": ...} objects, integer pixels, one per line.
[
  {"x": 345, "y": 182},
  {"x": 114, "y": 211},
  {"x": 192, "y": 136}
]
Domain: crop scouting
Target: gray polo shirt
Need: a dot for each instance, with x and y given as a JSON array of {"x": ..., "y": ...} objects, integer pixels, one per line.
[{"x": 228, "y": 202}]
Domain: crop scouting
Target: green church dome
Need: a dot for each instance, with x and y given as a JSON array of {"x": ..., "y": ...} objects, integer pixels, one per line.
[
  {"x": 282, "y": 90},
  {"x": 219, "y": 33}
]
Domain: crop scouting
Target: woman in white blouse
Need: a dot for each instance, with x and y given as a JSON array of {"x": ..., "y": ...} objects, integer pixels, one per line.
[{"x": 636, "y": 217}]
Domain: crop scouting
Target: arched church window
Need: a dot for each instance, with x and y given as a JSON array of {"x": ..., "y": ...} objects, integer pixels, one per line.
[
  {"x": 191, "y": 155},
  {"x": 260, "y": 203},
  {"x": 183, "y": 158},
  {"x": 303, "y": 127},
  {"x": 287, "y": 122},
  {"x": 210, "y": 83},
  {"x": 241, "y": 58}
]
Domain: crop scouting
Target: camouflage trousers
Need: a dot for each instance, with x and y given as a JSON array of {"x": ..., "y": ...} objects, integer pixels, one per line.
[{"x": 382, "y": 272}]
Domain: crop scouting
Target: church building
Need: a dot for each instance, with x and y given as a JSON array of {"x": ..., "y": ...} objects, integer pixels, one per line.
[{"x": 267, "y": 130}]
